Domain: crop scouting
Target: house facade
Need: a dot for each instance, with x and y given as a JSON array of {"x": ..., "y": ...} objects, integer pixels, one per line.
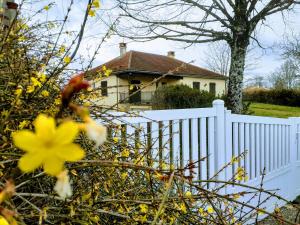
[
  {"x": 136, "y": 76},
  {"x": 8, "y": 11}
]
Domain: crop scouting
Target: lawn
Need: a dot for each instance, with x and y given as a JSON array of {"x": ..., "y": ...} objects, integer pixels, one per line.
[{"x": 261, "y": 109}]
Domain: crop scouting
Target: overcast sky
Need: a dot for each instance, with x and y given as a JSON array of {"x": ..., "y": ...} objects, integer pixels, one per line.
[{"x": 270, "y": 37}]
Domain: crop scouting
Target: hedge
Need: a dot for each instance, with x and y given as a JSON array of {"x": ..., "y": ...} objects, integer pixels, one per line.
[
  {"x": 181, "y": 96},
  {"x": 288, "y": 97}
]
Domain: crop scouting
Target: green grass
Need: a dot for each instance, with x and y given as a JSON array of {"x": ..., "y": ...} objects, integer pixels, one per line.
[{"x": 261, "y": 109}]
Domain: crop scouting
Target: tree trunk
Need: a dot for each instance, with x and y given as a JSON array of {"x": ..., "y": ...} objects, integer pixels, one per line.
[{"x": 236, "y": 74}]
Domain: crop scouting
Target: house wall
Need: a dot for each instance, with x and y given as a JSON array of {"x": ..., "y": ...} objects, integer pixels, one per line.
[
  {"x": 204, "y": 84},
  {"x": 119, "y": 85},
  {"x": 112, "y": 90}
]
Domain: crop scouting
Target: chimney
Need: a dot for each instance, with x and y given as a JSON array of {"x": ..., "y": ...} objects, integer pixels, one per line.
[
  {"x": 171, "y": 54},
  {"x": 123, "y": 47}
]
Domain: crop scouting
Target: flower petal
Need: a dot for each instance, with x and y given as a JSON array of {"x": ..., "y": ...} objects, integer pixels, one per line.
[
  {"x": 96, "y": 132},
  {"x": 66, "y": 133},
  {"x": 3, "y": 221},
  {"x": 30, "y": 161},
  {"x": 44, "y": 127},
  {"x": 70, "y": 152},
  {"x": 53, "y": 166},
  {"x": 27, "y": 141},
  {"x": 63, "y": 187}
]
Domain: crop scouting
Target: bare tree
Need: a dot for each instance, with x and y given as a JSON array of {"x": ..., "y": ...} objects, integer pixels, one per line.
[
  {"x": 195, "y": 21},
  {"x": 286, "y": 76},
  {"x": 255, "y": 81},
  {"x": 217, "y": 58},
  {"x": 291, "y": 49}
]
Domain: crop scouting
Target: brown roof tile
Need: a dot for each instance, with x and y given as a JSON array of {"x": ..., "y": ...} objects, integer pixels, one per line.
[{"x": 134, "y": 61}]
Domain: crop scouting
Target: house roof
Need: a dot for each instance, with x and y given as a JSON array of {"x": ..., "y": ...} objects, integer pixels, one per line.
[{"x": 134, "y": 61}]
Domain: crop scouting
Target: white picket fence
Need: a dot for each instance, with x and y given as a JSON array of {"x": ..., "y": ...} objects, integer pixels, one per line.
[{"x": 185, "y": 135}]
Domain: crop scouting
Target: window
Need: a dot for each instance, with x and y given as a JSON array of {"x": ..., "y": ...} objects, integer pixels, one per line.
[
  {"x": 104, "y": 88},
  {"x": 134, "y": 91},
  {"x": 212, "y": 88},
  {"x": 196, "y": 85}
]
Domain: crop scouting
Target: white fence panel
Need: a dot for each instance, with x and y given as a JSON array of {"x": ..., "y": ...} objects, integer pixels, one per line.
[{"x": 211, "y": 137}]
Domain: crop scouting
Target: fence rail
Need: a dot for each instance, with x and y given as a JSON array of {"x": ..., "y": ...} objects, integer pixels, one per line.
[{"x": 216, "y": 135}]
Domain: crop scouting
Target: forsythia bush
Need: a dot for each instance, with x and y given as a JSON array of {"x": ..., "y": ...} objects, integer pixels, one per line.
[{"x": 65, "y": 161}]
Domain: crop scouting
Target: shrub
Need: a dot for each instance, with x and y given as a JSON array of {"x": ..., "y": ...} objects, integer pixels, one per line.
[
  {"x": 181, "y": 96},
  {"x": 289, "y": 97}
]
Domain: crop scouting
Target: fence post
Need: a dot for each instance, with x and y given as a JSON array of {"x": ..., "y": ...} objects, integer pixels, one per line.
[
  {"x": 220, "y": 153},
  {"x": 293, "y": 181}
]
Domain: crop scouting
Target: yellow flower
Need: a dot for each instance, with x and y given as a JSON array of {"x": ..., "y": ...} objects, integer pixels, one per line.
[
  {"x": 124, "y": 175},
  {"x": 233, "y": 220},
  {"x": 143, "y": 208},
  {"x": 45, "y": 93},
  {"x": 234, "y": 160},
  {"x": 239, "y": 177},
  {"x": 21, "y": 38},
  {"x": 201, "y": 212},
  {"x": 107, "y": 72},
  {"x": 125, "y": 153},
  {"x": 47, "y": 7},
  {"x": 86, "y": 104},
  {"x": 62, "y": 49},
  {"x": 3, "y": 221},
  {"x": 210, "y": 209},
  {"x": 142, "y": 219},
  {"x": 67, "y": 59},
  {"x": 49, "y": 146},
  {"x": 23, "y": 124},
  {"x": 5, "y": 113},
  {"x": 260, "y": 211},
  {"x": 182, "y": 208},
  {"x": 96, "y": 4},
  {"x": 277, "y": 210},
  {"x": 92, "y": 13},
  {"x": 82, "y": 97},
  {"x": 18, "y": 91},
  {"x": 35, "y": 82},
  {"x": 42, "y": 77},
  {"x": 57, "y": 101},
  {"x": 240, "y": 174},
  {"x": 30, "y": 89},
  {"x": 236, "y": 196},
  {"x": 116, "y": 139},
  {"x": 188, "y": 194},
  {"x": 165, "y": 166}
]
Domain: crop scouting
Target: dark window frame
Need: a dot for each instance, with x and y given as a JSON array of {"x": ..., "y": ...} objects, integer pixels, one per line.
[
  {"x": 212, "y": 88},
  {"x": 104, "y": 89},
  {"x": 196, "y": 85}
]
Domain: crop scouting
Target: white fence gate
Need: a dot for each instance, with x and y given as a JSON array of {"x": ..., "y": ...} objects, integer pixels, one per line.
[{"x": 186, "y": 135}]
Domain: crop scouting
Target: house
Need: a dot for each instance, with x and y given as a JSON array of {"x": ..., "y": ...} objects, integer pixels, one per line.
[
  {"x": 133, "y": 71},
  {"x": 8, "y": 11}
]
